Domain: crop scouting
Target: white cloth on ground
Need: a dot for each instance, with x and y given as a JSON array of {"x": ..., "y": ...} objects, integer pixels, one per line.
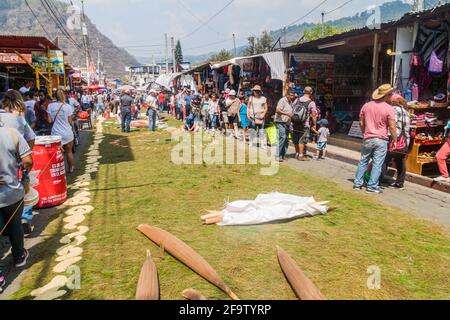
[{"x": 271, "y": 207}]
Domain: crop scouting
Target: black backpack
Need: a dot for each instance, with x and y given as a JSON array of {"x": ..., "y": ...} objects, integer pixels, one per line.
[{"x": 300, "y": 110}]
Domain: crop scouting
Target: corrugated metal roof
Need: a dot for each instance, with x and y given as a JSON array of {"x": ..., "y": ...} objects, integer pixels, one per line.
[
  {"x": 408, "y": 18},
  {"x": 25, "y": 43}
]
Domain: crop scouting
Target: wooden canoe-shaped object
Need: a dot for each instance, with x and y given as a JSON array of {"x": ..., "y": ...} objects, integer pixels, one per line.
[
  {"x": 303, "y": 287},
  {"x": 148, "y": 285},
  {"x": 185, "y": 254},
  {"x": 193, "y": 295}
]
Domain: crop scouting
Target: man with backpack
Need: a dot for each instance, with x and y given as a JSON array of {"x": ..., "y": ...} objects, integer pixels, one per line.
[{"x": 304, "y": 120}]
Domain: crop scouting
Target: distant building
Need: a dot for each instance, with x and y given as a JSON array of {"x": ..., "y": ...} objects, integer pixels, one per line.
[
  {"x": 140, "y": 75},
  {"x": 181, "y": 67}
]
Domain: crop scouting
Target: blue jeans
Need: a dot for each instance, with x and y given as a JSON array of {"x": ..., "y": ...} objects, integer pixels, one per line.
[
  {"x": 152, "y": 120},
  {"x": 375, "y": 150},
  {"x": 212, "y": 121},
  {"x": 126, "y": 121},
  {"x": 283, "y": 139}
]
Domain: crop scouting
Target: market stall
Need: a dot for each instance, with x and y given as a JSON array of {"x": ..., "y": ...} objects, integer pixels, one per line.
[
  {"x": 243, "y": 73},
  {"x": 31, "y": 59}
]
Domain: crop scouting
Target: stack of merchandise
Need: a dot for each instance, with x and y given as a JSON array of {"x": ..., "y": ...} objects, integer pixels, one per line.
[
  {"x": 431, "y": 119},
  {"x": 419, "y": 120}
]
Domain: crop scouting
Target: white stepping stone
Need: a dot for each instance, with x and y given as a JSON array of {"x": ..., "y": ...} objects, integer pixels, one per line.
[
  {"x": 62, "y": 266},
  {"x": 56, "y": 283}
]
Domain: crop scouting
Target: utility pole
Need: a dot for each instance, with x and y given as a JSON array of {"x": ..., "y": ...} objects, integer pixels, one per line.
[
  {"x": 167, "y": 53},
  {"x": 98, "y": 65},
  {"x": 284, "y": 37},
  {"x": 85, "y": 40},
  {"x": 172, "y": 40},
  {"x": 323, "y": 24},
  {"x": 153, "y": 68},
  {"x": 234, "y": 44}
]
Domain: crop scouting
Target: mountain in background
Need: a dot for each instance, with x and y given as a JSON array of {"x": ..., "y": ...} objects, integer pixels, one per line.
[
  {"x": 390, "y": 11},
  {"x": 17, "y": 19}
]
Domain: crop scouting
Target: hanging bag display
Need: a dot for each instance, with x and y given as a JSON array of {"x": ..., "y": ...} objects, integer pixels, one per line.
[{"x": 436, "y": 66}]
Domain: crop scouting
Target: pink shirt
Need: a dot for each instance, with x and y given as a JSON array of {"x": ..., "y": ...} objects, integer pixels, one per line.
[{"x": 376, "y": 118}]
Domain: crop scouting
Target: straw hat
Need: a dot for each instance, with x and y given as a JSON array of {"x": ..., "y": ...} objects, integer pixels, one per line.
[
  {"x": 257, "y": 88},
  {"x": 382, "y": 91}
]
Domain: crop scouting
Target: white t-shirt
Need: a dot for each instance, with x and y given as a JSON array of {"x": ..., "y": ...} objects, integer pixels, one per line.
[
  {"x": 74, "y": 103},
  {"x": 256, "y": 106},
  {"x": 213, "y": 107},
  {"x": 61, "y": 126},
  {"x": 85, "y": 99},
  {"x": 30, "y": 104},
  {"x": 100, "y": 99},
  {"x": 152, "y": 102}
]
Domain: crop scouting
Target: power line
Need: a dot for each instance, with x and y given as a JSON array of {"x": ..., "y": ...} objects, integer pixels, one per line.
[
  {"x": 341, "y": 6},
  {"x": 60, "y": 18},
  {"x": 195, "y": 16},
  {"x": 309, "y": 12},
  {"x": 35, "y": 16},
  {"x": 209, "y": 20},
  {"x": 58, "y": 23}
]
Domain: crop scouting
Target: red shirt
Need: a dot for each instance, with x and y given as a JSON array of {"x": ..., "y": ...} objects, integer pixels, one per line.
[{"x": 376, "y": 119}]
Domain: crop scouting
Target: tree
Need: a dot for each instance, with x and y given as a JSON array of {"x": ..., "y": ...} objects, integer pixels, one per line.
[
  {"x": 264, "y": 43},
  {"x": 223, "y": 55},
  {"x": 251, "y": 49},
  {"x": 321, "y": 31},
  {"x": 178, "y": 53},
  {"x": 259, "y": 45}
]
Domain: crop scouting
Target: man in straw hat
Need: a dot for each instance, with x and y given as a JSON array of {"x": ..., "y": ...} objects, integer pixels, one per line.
[{"x": 377, "y": 119}]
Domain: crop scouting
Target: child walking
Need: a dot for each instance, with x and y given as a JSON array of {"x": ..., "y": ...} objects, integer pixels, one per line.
[
  {"x": 243, "y": 119},
  {"x": 322, "y": 139}
]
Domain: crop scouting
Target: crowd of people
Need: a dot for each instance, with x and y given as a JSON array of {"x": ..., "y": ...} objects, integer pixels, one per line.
[
  {"x": 246, "y": 118},
  {"x": 25, "y": 114}
]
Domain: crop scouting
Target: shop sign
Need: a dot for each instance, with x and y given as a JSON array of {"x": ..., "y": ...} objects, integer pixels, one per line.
[
  {"x": 40, "y": 60},
  {"x": 12, "y": 58},
  {"x": 312, "y": 57}
]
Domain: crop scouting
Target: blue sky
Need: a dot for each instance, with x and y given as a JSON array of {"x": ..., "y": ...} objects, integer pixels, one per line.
[{"x": 132, "y": 23}]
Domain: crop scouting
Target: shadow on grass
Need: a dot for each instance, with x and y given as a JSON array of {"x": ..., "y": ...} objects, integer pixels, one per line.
[{"x": 115, "y": 149}]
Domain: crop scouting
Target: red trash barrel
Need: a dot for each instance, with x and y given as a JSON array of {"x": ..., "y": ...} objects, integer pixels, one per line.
[{"x": 48, "y": 157}]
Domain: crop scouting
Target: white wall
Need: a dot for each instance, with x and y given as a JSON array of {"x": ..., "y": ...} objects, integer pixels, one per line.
[{"x": 404, "y": 42}]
